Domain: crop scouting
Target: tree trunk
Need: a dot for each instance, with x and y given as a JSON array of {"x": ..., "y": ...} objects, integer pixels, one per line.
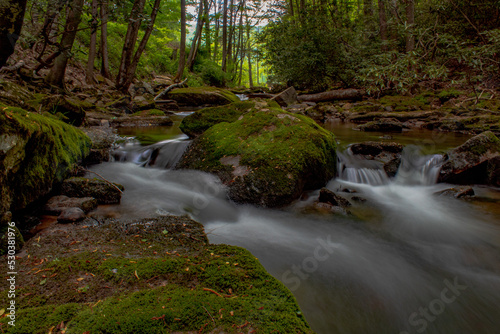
[
  {"x": 89, "y": 75},
  {"x": 129, "y": 42},
  {"x": 395, "y": 17},
  {"x": 56, "y": 74},
  {"x": 11, "y": 22},
  {"x": 249, "y": 52},
  {"x": 224, "y": 37},
  {"x": 197, "y": 35},
  {"x": 410, "y": 20},
  {"x": 342, "y": 94},
  {"x": 133, "y": 66},
  {"x": 208, "y": 39},
  {"x": 383, "y": 24},
  {"x": 231, "y": 30},
  {"x": 182, "y": 53},
  {"x": 216, "y": 38},
  {"x": 104, "y": 40}
]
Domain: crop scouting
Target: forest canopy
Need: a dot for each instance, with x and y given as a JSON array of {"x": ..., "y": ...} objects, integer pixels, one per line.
[{"x": 383, "y": 45}]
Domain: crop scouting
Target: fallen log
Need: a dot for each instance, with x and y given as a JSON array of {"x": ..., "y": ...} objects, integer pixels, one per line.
[
  {"x": 169, "y": 88},
  {"x": 341, "y": 94}
]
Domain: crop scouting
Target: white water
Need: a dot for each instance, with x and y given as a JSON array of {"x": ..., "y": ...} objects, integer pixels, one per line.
[{"x": 351, "y": 275}]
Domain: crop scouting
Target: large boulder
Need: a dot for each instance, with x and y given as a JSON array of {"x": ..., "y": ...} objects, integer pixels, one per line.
[
  {"x": 201, "y": 96},
  {"x": 477, "y": 161},
  {"x": 71, "y": 110},
  {"x": 35, "y": 153},
  {"x": 286, "y": 97},
  {"x": 267, "y": 157},
  {"x": 201, "y": 120}
]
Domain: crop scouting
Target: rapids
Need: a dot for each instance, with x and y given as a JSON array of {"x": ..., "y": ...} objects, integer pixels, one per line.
[{"x": 406, "y": 260}]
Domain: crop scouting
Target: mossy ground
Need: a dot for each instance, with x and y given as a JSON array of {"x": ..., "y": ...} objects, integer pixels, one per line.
[
  {"x": 51, "y": 148},
  {"x": 283, "y": 154},
  {"x": 150, "y": 276}
]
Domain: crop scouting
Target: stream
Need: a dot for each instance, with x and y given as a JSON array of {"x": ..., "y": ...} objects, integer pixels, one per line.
[{"x": 405, "y": 261}]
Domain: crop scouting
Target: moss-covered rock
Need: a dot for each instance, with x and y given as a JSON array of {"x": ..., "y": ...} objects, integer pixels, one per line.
[
  {"x": 35, "y": 152},
  {"x": 71, "y": 109},
  {"x": 266, "y": 157},
  {"x": 477, "y": 161},
  {"x": 102, "y": 191},
  {"x": 200, "y": 96},
  {"x": 149, "y": 276},
  {"x": 201, "y": 120}
]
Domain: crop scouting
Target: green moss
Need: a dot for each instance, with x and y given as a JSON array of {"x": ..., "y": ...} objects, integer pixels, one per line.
[
  {"x": 4, "y": 238},
  {"x": 404, "y": 103},
  {"x": 127, "y": 283},
  {"x": 201, "y": 120},
  {"x": 149, "y": 112},
  {"x": 448, "y": 94},
  {"x": 51, "y": 147},
  {"x": 283, "y": 152},
  {"x": 198, "y": 96}
]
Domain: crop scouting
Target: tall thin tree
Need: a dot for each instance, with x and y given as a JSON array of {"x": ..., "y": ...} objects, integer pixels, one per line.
[
  {"x": 11, "y": 22},
  {"x": 182, "y": 53},
  {"x": 89, "y": 75},
  {"x": 104, "y": 40}
]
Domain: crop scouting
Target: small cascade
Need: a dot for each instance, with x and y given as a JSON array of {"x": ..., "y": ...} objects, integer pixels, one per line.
[
  {"x": 415, "y": 168},
  {"x": 356, "y": 169},
  {"x": 242, "y": 97},
  {"x": 164, "y": 154},
  {"x": 418, "y": 169}
]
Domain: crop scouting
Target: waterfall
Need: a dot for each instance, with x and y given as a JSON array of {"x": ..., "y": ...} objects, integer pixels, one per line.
[
  {"x": 357, "y": 169},
  {"x": 164, "y": 154},
  {"x": 415, "y": 168}
]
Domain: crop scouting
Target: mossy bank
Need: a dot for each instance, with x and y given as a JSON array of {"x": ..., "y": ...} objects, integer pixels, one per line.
[
  {"x": 35, "y": 152},
  {"x": 267, "y": 156},
  {"x": 149, "y": 276}
]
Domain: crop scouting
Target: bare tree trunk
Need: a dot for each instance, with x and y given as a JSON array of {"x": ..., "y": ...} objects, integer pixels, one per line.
[
  {"x": 129, "y": 42},
  {"x": 89, "y": 75},
  {"x": 56, "y": 74},
  {"x": 135, "y": 61},
  {"x": 208, "y": 39},
  {"x": 395, "y": 18},
  {"x": 182, "y": 53},
  {"x": 231, "y": 30},
  {"x": 216, "y": 39},
  {"x": 11, "y": 22},
  {"x": 104, "y": 40},
  {"x": 197, "y": 35},
  {"x": 410, "y": 19},
  {"x": 224, "y": 37},
  {"x": 383, "y": 24},
  {"x": 342, "y": 94},
  {"x": 249, "y": 52}
]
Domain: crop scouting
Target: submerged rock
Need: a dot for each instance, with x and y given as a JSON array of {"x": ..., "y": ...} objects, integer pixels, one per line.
[
  {"x": 266, "y": 157},
  {"x": 387, "y": 153},
  {"x": 71, "y": 215},
  {"x": 477, "y": 161},
  {"x": 328, "y": 196},
  {"x": 460, "y": 192},
  {"x": 102, "y": 191},
  {"x": 384, "y": 125},
  {"x": 200, "y": 96},
  {"x": 35, "y": 153}
]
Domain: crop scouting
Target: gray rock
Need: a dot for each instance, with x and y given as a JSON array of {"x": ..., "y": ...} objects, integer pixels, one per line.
[
  {"x": 287, "y": 97},
  {"x": 477, "y": 161},
  {"x": 71, "y": 215},
  {"x": 57, "y": 204},
  {"x": 102, "y": 191},
  {"x": 328, "y": 196}
]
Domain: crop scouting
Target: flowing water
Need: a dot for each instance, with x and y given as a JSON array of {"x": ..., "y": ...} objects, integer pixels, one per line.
[{"x": 405, "y": 261}]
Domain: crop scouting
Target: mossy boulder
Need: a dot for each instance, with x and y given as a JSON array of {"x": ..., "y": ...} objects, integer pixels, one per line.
[
  {"x": 266, "y": 157},
  {"x": 102, "y": 191},
  {"x": 35, "y": 153},
  {"x": 70, "y": 109},
  {"x": 15, "y": 94},
  {"x": 201, "y": 96},
  {"x": 201, "y": 120},
  {"x": 156, "y": 275},
  {"x": 477, "y": 161}
]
